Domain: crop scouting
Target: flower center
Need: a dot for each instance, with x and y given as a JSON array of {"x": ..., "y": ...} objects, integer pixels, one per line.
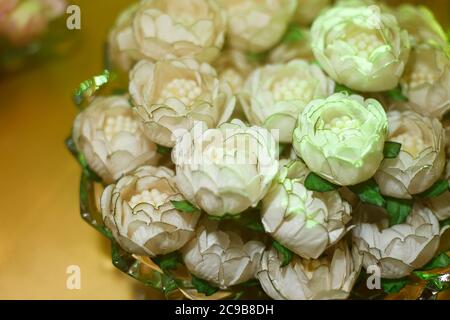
[
  {"x": 114, "y": 125},
  {"x": 365, "y": 44},
  {"x": 291, "y": 88},
  {"x": 183, "y": 89},
  {"x": 411, "y": 144},
  {"x": 153, "y": 197},
  {"x": 340, "y": 124},
  {"x": 420, "y": 77}
]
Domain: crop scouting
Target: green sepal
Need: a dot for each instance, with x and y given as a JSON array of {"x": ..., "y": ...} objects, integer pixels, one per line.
[
  {"x": 398, "y": 210},
  {"x": 369, "y": 192},
  {"x": 393, "y": 285},
  {"x": 286, "y": 254},
  {"x": 437, "y": 189},
  {"x": 439, "y": 262},
  {"x": 314, "y": 182},
  {"x": 294, "y": 34},
  {"x": 184, "y": 206},
  {"x": 163, "y": 150},
  {"x": 203, "y": 286},
  {"x": 397, "y": 95},
  {"x": 391, "y": 149},
  {"x": 169, "y": 261}
]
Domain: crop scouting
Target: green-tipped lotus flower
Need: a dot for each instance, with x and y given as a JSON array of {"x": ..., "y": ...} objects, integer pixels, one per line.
[{"x": 341, "y": 138}]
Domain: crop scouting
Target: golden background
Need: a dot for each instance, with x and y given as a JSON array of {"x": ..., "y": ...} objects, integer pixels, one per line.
[{"x": 41, "y": 232}]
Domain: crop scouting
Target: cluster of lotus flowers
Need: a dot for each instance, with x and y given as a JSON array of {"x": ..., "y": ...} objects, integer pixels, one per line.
[
  {"x": 327, "y": 120},
  {"x": 23, "y": 21}
]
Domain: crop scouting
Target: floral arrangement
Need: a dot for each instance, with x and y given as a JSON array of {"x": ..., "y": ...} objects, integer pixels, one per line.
[{"x": 284, "y": 149}]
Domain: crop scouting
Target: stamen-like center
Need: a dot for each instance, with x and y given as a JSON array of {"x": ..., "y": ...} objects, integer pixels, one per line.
[
  {"x": 114, "y": 125},
  {"x": 183, "y": 89}
]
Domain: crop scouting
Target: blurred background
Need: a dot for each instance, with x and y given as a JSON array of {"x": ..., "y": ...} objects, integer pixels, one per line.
[{"x": 41, "y": 232}]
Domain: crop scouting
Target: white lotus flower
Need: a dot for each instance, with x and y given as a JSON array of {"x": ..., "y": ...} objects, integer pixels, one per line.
[
  {"x": 421, "y": 159},
  {"x": 360, "y": 46},
  {"x": 225, "y": 170},
  {"x": 426, "y": 81},
  {"x": 139, "y": 212},
  {"x": 257, "y": 25},
  {"x": 308, "y": 10},
  {"x": 111, "y": 138},
  {"x": 153, "y": 29},
  {"x": 171, "y": 95},
  {"x": 221, "y": 257},
  {"x": 332, "y": 276},
  {"x": 341, "y": 138},
  {"x": 400, "y": 249},
  {"x": 421, "y": 25},
  {"x": 303, "y": 221},
  {"x": 274, "y": 95}
]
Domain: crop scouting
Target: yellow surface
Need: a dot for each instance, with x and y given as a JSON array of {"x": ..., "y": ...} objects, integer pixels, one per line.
[{"x": 41, "y": 232}]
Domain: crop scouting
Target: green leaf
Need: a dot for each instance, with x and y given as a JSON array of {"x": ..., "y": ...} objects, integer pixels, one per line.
[
  {"x": 313, "y": 182},
  {"x": 340, "y": 88},
  {"x": 436, "y": 189},
  {"x": 184, "y": 206},
  {"x": 226, "y": 216},
  {"x": 286, "y": 254},
  {"x": 441, "y": 261},
  {"x": 203, "y": 287},
  {"x": 163, "y": 150},
  {"x": 398, "y": 210},
  {"x": 369, "y": 192},
  {"x": 168, "y": 261},
  {"x": 391, "y": 149},
  {"x": 397, "y": 95},
  {"x": 393, "y": 285},
  {"x": 256, "y": 226},
  {"x": 257, "y": 57},
  {"x": 87, "y": 89},
  {"x": 250, "y": 283},
  {"x": 293, "y": 34},
  {"x": 445, "y": 223}
]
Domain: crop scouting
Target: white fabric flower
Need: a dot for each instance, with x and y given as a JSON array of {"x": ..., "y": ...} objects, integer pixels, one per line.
[
  {"x": 221, "y": 257},
  {"x": 153, "y": 29},
  {"x": 111, "y": 138},
  {"x": 225, "y": 170},
  {"x": 257, "y": 25},
  {"x": 303, "y": 221},
  {"x": 139, "y": 212},
  {"x": 421, "y": 25},
  {"x": 171, "y": 95},
  {"x": 341, "y": 138},
  {"x": 332, "y": 276},
  {"x": 361, "y": 47},
  {"x": 421, "y": 160},
  {"x": 400, "y": 249},
  {"x": 275, "y": 95},
  {"x": 426, "y": 81}
]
